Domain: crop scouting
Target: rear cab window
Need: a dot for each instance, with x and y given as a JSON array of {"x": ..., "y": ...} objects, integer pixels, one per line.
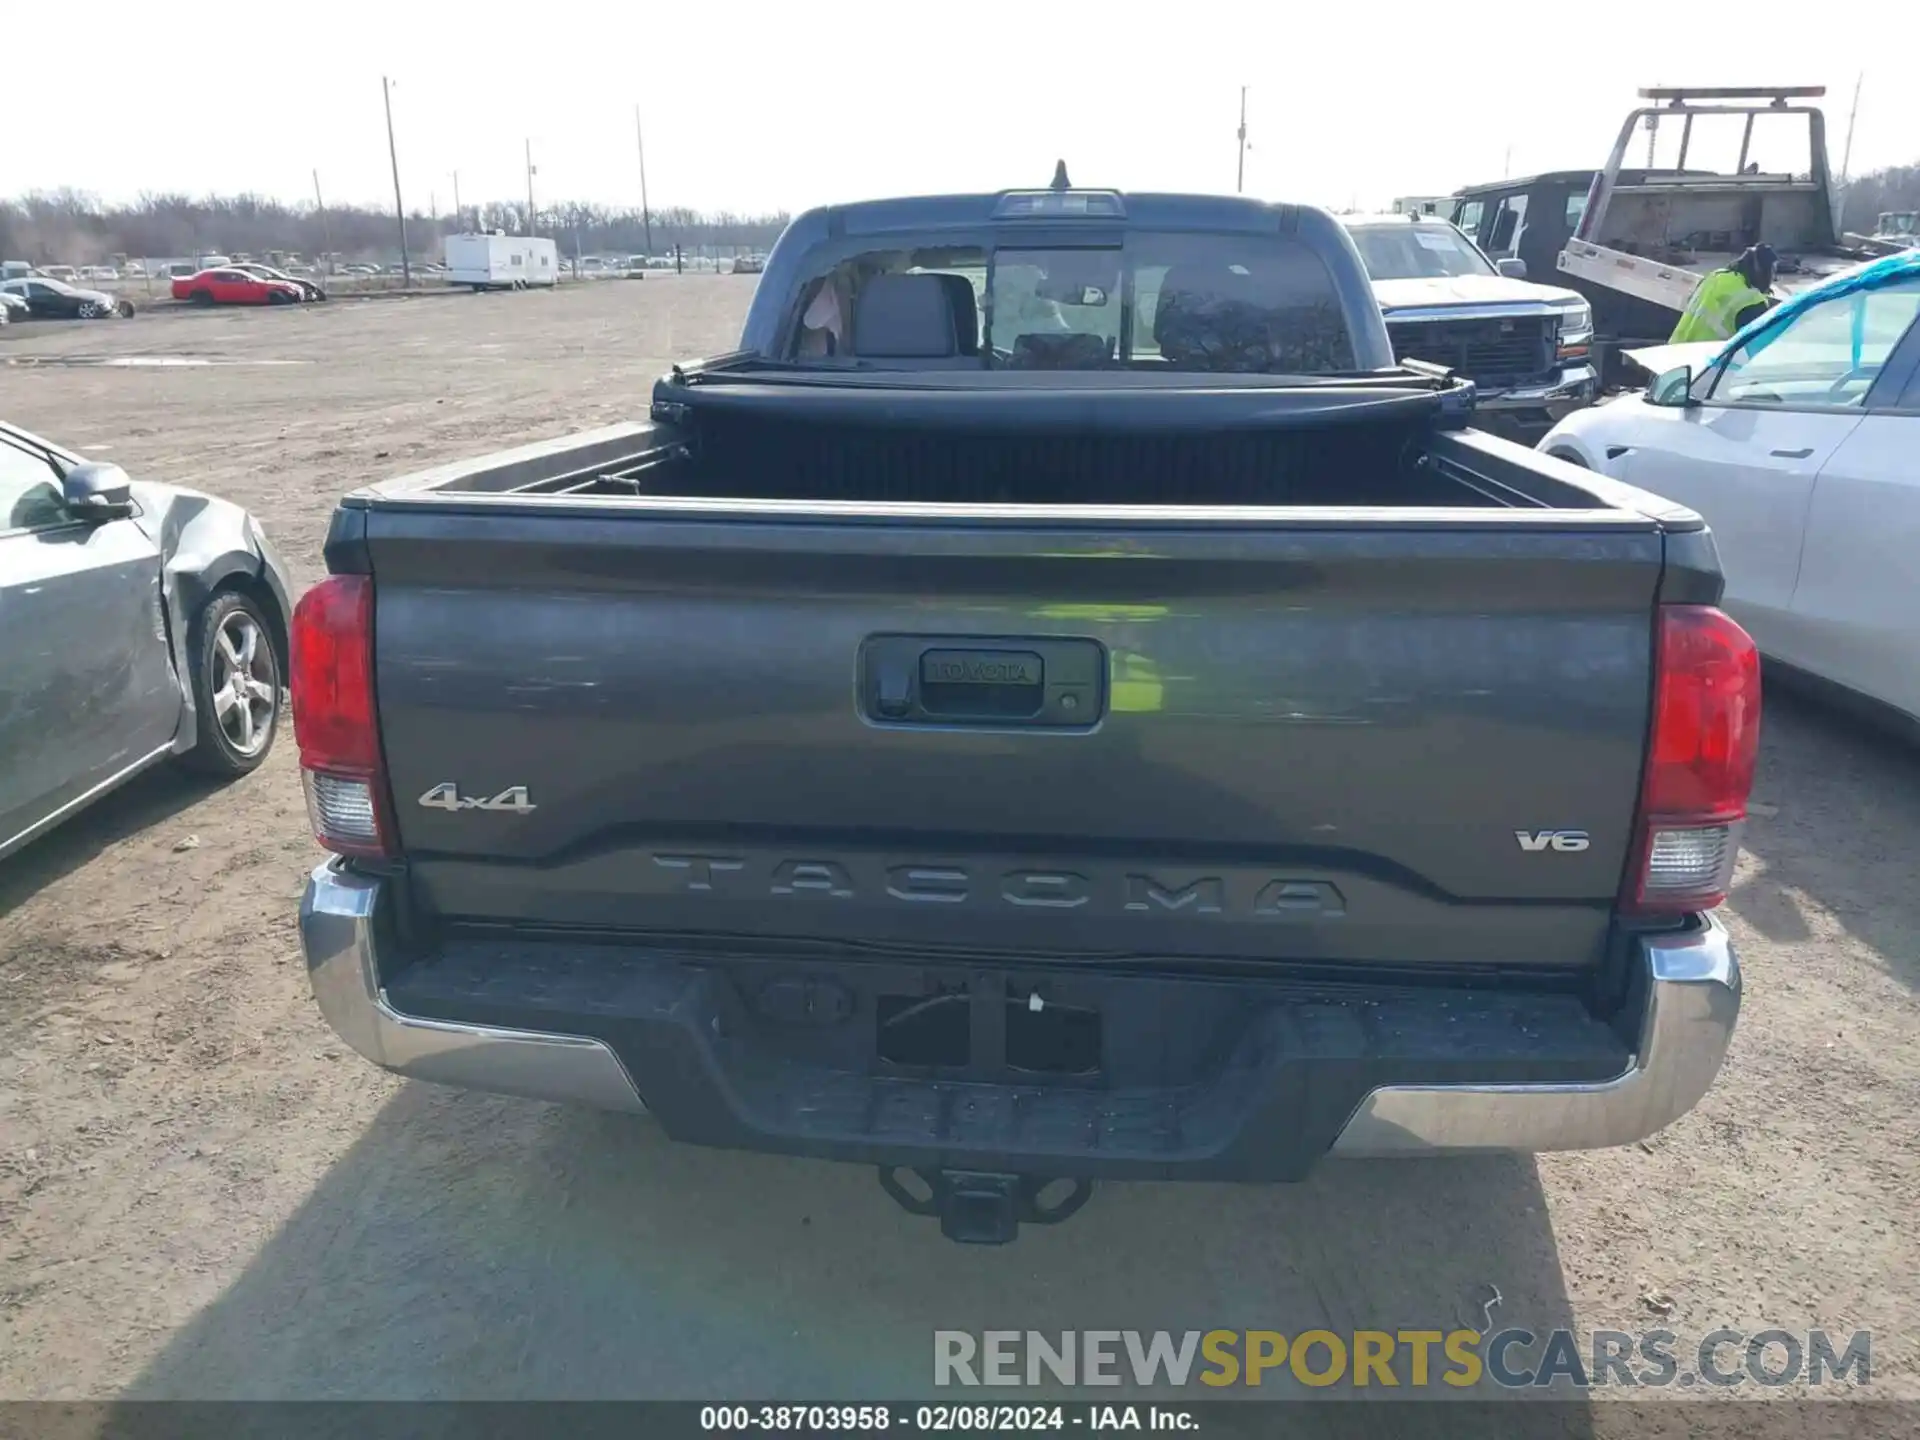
[{"x": 1149, "y": 300}]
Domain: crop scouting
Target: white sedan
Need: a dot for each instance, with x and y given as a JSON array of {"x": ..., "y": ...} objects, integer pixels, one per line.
[{"x": 1800, "y": 444}]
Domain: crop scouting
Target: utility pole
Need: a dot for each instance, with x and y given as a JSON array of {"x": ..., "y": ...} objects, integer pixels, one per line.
[
  {"x": 646, "y": 215},
  {"x": 399, "y": 207},
  {"x": 458, "y": 222},
  {"x": 532, "y": 229},
  {"x": 1240, "y": 175},
  {"x": 1846, "y": 155},
  {"x": 326, "y": 226},
  {"x": 1846, "y": 158}
]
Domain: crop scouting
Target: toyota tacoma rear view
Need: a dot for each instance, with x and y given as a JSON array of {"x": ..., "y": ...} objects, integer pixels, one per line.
[{"x": 1059, "y": 703}]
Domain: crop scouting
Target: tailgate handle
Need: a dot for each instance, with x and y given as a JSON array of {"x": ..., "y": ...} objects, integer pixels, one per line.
[{"x": 927, "y": 680}]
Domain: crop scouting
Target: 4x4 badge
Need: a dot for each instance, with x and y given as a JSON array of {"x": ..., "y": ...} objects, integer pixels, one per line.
[{"x": 447, "y": 796}]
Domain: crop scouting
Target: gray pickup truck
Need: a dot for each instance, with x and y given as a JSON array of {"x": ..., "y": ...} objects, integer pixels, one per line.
[{"x": 1059, "y": 703}]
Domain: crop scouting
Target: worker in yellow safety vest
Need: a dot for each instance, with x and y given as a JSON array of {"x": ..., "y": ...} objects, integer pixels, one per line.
[{"x": 1728, "y": 298}]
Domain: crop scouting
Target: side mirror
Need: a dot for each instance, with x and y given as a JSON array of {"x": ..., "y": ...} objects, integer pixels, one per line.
[
  {"x": 1672, "y": 388},
  {"x": 98, "y": 490},
  {"x": 1511, "y": 266}
]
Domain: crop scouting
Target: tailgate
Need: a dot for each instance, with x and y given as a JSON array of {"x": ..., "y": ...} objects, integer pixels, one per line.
[{"x": 1020, "y": 737}]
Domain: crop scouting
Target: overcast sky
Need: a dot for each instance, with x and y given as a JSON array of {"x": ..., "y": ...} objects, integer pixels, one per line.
[{"x": 753, "y": 106}]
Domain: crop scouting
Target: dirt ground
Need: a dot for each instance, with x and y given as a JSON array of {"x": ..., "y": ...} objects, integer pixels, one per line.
[{"x": 203, "y": 1194}]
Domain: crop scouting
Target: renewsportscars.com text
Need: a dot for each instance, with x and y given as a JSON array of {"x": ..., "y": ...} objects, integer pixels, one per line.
[{"x": 1512, "y": 1358}]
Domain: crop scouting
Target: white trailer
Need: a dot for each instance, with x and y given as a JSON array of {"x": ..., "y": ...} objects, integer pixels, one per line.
[{"x": 501, "y": 262}]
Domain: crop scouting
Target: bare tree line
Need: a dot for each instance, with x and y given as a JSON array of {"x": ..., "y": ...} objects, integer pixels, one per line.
[{"x": 73, "y": 228}]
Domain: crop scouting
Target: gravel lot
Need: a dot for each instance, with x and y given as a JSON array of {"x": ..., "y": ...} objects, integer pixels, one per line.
[{"x": 203, "y": 1194}]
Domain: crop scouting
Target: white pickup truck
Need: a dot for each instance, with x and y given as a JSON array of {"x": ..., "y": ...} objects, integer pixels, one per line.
[{"x": 1525, "y": 346}]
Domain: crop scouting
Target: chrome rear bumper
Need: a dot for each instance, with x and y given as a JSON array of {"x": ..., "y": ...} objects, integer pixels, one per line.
[
  {"x": 1687, "y": 1019},
  {"x": 337, "y": 932},
  {"x": 1691, "y": 1000}
]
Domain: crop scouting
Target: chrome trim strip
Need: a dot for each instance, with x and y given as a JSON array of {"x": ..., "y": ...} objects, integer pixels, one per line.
[
  {"x": 1692, "y": 1001},
  {"x": 80, "y": 802},
  {"x": 337, "y": 916}
]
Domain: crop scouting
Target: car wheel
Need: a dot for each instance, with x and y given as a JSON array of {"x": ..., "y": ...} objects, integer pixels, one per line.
[
  {"x": 235, "y": 673},
  {"x": 124, "y": 309},
  {"x": 201, "y": 297},
  {"x": 90, "y": 310}
]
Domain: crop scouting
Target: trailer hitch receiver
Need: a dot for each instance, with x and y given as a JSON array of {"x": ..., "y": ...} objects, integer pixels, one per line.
[{"x": 978, "y": 1207}]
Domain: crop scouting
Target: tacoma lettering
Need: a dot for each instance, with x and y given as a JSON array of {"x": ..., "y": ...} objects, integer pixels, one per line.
[{"x": 1138, "y": 893}]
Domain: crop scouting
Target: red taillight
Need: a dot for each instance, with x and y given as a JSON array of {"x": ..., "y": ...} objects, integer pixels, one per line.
[
  {"x": 333, "y": 719},
  {"x": 1706, "y": 736}
]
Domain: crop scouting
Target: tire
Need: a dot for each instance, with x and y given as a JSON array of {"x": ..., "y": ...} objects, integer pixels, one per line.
[
  {"x": 228, "y": 670},
  {"x": 89, "y": 310},
  {"x": 201, "y": 297},
  {"x": 124, "y": 309}
]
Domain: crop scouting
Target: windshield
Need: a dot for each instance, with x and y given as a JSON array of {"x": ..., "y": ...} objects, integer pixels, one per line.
[
  {"x": 1416, "y": 252},
  {"x": 1258, "y": 304}
]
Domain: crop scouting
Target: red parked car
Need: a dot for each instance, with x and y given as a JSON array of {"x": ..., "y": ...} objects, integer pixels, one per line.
[{"x": 235, "y": 287}]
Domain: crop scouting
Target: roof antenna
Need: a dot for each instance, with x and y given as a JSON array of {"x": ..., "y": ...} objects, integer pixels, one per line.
[{"x": 1060, "y": 181}]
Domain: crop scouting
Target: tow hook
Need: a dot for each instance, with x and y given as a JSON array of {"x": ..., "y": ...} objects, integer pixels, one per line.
[{"x": 979, "y": 1208}]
